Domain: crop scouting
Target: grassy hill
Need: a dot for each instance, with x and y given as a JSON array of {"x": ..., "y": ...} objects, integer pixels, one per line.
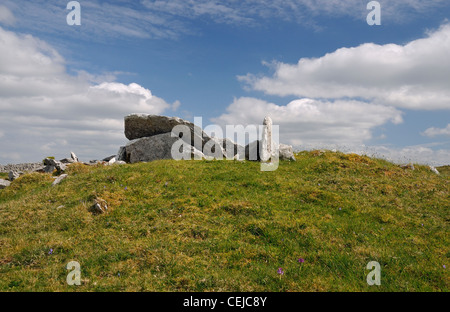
[{"x": 227, "y": 226}]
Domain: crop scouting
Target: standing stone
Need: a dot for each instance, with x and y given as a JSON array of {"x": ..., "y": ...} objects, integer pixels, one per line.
[{"x": 266, "y": 142}]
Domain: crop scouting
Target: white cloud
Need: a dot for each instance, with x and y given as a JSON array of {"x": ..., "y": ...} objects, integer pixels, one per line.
[
  {"x": 432, "y": 132},
  {"x": 413, "y": 76},
  {"x": 410, "y": 154},
  {"x": 311, "y": 122},
  {"x": 6, "y": 16},
  {"x": 45, "y": 111},
  {"x": 299, "y": 11},
  {"x": 170, "y": 19}
]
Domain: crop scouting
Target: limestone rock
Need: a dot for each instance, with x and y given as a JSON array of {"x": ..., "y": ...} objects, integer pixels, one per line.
[
  {"x": 107, "y": 159},
  {"x": 286, "y": 152},
  {"x": 231, "y": 149},
  {"x": 52, "y": 164},
  {"x": 14, "y": 175},
  {"x": 266, "y": 148},
  {"x": 121, "y": 154},
  {"x": 154, "y": 148},
  {"x": 100, "y": 206},
  {"x": 59, "y": 179},
  {"x": 252, "y": 151},
  {"x": 4, "y": 184},
  {"x": 73, "y": 157},
  {"x": 139, "y": 126},
  {"x": 434, "y": 170}
]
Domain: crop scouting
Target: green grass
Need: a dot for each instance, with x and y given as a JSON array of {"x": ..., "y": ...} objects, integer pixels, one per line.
[
  {"x": 227, "y": 226},
  {"x": 444, "y": 170}
]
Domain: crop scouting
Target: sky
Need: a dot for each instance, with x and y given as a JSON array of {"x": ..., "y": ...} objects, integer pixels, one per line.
[{"x": 317, "y": 68}]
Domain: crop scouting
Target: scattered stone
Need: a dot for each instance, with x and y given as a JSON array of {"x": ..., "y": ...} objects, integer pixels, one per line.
[
  {"x": 434, "y": 170},
  {"x": 51, "y": 165},
  {"x": 14, "y": 175},
  {"x": 286, "y": 152},
  {"x": 49, "y": 169},
  {"x": 67, "y": 161},
  {"x": 59, "y": 179},
  {"x": 408, "y": 166},
  {"x": 4, "y": 184},
  {"x": 100, "y": 206},
  {"x": 107, "y": 159},
  {"x": 74, "y": 157}
]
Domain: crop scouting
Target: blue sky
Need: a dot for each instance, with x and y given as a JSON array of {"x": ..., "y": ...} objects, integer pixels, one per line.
[{"x": 316, "y": 67}]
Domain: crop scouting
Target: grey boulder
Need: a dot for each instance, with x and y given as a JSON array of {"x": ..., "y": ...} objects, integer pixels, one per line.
[
  {"x": 14, "y": 175},
  {"x": 154, "y": 148},
  {"x": 139, "y": 126},
  {"x": 4, "y": 184},
  {"x": 286, "y": 152}
]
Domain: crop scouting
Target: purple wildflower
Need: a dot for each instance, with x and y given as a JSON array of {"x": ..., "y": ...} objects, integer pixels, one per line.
[
  {"x": 301, "y": 260},
  {"x": 50, "y": 252},
  {"x": 280, "y": 271}
]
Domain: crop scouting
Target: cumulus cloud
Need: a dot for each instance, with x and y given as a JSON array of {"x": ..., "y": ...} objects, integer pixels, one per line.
[
  {"x": 311, "y": 122},
  {"x": 414, "y": 75},
  {"x": 47, "y": 112},
  {"x": 432, "y": 132}
]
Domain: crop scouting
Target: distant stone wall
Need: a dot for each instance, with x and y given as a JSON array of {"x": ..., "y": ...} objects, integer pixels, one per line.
[{"x": 21, "y": 167}]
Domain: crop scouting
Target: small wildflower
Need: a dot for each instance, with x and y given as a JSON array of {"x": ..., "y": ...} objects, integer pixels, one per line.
[
  {"x": 50, "y": 252},
  {"x": 301, "y": 260},
  {"x": 126, "y": 188},
  {"x": 444, "y": 266},
  {"x": 340, "y": 208},
  {"x": 280, "y": 271}
]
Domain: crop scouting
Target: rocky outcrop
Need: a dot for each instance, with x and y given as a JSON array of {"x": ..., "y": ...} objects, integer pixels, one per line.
[{"x": 28, "y": 167}]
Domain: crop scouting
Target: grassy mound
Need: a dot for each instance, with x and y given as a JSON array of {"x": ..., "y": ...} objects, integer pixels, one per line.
[{"x": 227, "y": 226}]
